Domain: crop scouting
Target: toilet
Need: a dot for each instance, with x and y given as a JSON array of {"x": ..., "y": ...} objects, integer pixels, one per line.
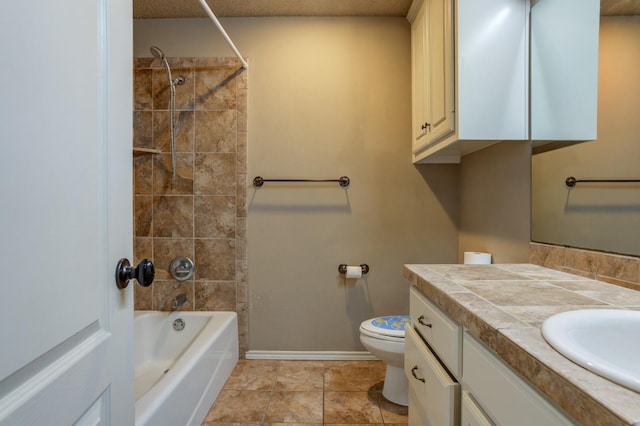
[{"x": 384, "y": 338}]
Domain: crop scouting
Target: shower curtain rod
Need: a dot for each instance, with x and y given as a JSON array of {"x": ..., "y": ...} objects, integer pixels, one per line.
[{"x": 233, "y": 47}]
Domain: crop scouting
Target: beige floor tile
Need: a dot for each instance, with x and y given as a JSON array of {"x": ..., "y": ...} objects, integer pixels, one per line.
[
  {"x": 301, "y": 407},
  {"x": 239, "y": 406},
  {"x": 252, "y": 375},
  {"x": 299, "y": 376},
  {"x": 347, "y": 376},
  {"x": 292, "y": 424},
  {"x": 349, "y": 408},
  {"x": 305, "y": 393}
]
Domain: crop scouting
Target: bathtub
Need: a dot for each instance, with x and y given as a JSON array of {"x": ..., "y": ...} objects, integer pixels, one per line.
[{"x": 179, "y": 374}]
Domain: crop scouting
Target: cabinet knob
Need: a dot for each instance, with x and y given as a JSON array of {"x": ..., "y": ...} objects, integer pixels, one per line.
[
  {"x": 425, "y": 126},
  {"x": 422, "y": 321}
]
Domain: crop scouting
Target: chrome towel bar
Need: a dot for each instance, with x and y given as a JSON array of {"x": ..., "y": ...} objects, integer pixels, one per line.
[
  {"x": 344, "y": 181},
  {"x": 571, "y": 181}
]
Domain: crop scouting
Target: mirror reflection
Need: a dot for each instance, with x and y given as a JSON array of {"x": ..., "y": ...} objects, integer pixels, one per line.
[{"x": 599, "y": 216}]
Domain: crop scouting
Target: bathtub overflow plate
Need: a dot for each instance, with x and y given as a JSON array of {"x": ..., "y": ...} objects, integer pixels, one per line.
[{"x": 178, "y": 325}]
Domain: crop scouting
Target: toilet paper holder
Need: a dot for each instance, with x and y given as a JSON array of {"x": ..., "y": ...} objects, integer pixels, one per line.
[{"x": 342, "y": 268}]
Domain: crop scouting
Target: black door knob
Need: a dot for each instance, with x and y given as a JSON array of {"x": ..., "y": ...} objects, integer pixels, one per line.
[{"x": 143, "y": 273}]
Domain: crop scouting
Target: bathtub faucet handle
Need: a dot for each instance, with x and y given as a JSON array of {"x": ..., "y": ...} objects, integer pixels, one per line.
[{"x": 178, "y": 301}]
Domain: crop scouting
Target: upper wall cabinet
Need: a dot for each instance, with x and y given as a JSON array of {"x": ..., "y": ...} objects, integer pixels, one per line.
[
  {"x": 564, "y": 72},
  {"x": 471, "y": 74},
  {"x": 432, "y": 74}
]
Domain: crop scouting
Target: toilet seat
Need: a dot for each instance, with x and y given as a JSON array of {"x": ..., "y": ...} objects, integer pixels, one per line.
[{"x": 389, "y": 327}]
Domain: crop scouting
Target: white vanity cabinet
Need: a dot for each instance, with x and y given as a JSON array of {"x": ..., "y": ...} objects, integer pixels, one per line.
[
  {"x": 476, "y": 71},
  {"x": 455, "y": 380},
  {"x": 501, "y": 393},
  {"x": 434, "y": 392}
]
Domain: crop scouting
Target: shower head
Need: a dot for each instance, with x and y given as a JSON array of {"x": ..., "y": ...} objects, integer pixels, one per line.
[
  {"x": 155, "y": 51},
  {"x": 159, "y": 54}
]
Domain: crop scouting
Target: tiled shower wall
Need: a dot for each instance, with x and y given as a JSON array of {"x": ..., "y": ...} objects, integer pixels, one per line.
[{"x": 204, "y": 215}]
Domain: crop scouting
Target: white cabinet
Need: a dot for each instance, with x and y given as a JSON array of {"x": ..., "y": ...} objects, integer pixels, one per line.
[
  {"x": 475, "y": 73},
  {"x": 503, "y": 395},
  {"x": 564, "y": 72},
  {"x": 471, "y": 414},
  {"x": 432, "y": 74},
  {"x": 469, "y": 76},
  {"x": 436, "y": 393},
  {"x": 441, "y": 332},
  {"x": 454, "y": 379}
]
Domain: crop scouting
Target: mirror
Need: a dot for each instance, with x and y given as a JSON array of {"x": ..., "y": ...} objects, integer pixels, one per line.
[{"x": 598, "y": 216}]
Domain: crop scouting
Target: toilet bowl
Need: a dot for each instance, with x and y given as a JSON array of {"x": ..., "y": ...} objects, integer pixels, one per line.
[{"x": 384, "y": 338}]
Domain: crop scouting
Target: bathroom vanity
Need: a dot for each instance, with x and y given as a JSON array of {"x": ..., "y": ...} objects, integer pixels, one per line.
[{"x": 475, "y": 355}]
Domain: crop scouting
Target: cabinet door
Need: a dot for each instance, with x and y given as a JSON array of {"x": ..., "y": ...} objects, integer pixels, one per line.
[
  {"x": 418, "y": 78},
  {"x": 564, "y": 69},
  {"x": 492, "y": 69},
  {"x": 502, "y": 393},
  {"x": 439, "y": 64}
]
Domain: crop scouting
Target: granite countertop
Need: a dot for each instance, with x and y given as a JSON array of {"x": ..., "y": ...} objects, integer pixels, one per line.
[{"x": 504, "y": 307}]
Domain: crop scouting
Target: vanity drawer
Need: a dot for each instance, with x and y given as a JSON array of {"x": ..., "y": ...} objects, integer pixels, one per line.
[
  {"x": 471, "y": 414},
  {"x": 441, "y": 332},
  {"x": 436, "y": 392},
  {"x": 503, "y": 394}
]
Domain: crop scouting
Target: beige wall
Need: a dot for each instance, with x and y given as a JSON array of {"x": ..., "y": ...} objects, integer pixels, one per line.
[
  {"x": 495, "y": 195},
  {"x": 602, "y": 217},
  {"x": 328, "y": 97}
]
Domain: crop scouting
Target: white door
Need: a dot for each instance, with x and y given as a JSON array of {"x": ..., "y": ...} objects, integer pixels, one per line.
[{"x": 66, "y": 353}]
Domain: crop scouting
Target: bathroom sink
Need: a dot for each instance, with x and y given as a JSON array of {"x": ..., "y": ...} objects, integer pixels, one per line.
[{"x": 604, "y": 341}]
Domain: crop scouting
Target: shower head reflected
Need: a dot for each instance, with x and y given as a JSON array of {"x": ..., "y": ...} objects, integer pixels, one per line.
[{"x": 155, "y": 51}]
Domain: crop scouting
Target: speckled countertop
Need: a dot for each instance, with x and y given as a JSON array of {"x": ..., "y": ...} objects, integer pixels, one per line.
[{"x": 504, "y": 307}]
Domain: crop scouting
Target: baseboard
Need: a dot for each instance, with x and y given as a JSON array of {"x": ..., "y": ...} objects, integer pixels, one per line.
[{"x": 311, "y": 355}]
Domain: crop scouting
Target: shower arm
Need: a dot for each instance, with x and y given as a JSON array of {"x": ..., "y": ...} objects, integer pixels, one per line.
[{"x": 233, "y": 47}]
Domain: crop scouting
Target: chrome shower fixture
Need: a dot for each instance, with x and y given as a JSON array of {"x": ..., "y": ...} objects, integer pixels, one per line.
[{"x": 159, "y": 54}]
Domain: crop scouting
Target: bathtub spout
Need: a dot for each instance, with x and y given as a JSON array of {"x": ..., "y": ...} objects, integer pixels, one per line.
[{"x": 179, "y": 300}]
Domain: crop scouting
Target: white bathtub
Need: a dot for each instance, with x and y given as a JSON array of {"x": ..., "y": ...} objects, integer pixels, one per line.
[{"x": 179, "y": 374}]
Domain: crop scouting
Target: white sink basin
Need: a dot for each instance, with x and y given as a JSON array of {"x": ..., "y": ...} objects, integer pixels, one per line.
[{"x": 605, "y": 341}]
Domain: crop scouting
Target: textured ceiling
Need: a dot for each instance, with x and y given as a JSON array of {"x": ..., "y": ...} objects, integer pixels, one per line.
[
  {"x": 620, "y": 7},
  {"x": 149, "y": 9},
  {"x": 144, "y": 9}
]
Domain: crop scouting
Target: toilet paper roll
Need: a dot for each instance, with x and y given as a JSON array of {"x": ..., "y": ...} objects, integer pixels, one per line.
[
  {"x": 354, "y": 272},
  {"x": 477, "y": 258}
]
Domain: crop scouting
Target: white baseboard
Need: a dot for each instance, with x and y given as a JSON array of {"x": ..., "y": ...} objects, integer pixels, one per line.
[{"x": 311, "y": 355}]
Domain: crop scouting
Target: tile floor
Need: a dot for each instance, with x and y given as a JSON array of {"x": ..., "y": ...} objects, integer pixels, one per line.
[{"x": 305, "y": 393}]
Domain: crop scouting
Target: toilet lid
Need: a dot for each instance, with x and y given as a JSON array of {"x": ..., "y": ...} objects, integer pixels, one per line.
[{"x": 391, "y": 325}]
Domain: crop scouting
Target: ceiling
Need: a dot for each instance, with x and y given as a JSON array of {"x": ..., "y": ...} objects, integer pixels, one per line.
[
  {"x": 150, "y": 9},
  {"x": 144, "y": 9}
]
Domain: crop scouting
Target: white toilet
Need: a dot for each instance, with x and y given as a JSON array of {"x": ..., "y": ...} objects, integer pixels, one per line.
[{"x": 384, "y": 338}]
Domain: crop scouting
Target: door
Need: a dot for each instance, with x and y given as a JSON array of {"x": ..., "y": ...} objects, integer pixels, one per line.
[{"x": 65, "y": 212}]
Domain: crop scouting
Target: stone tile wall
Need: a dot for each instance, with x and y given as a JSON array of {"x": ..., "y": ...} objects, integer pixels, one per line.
[
  {"x": 612, "y": 268},
  {"x": 204, "y": 215}
]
